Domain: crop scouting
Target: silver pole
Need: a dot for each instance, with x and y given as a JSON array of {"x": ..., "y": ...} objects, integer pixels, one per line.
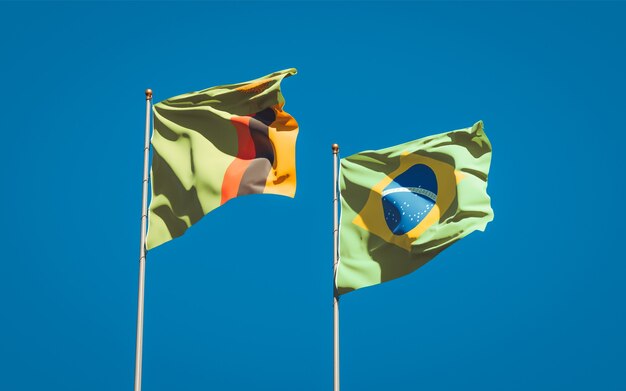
[
  {"x": 142, "y": 248},
  {"x": 335, "y": 260}
]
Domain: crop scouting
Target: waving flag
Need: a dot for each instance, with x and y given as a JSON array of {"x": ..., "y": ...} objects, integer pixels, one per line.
[
  {"x": 216, "y": 144},
  {"x": 403, "y": 205}
]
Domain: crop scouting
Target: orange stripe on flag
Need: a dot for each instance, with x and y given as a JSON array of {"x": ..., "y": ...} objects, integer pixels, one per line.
[{"x": 232, "y": 178}]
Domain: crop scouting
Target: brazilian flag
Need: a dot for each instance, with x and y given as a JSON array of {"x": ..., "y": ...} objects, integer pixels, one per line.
[
  {"x": 213, "y": 145},
  {"x": 403, "y": 205}
]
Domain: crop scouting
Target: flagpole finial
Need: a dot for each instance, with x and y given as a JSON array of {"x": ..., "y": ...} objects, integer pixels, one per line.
[
  {"x": 148, "y": 94},
  {"x": 335, "y": 148}
]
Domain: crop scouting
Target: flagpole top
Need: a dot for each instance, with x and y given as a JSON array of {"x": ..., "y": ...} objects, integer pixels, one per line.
[
  {"x": 335, "y": 148},
  {"x": 148, "y": 94}
]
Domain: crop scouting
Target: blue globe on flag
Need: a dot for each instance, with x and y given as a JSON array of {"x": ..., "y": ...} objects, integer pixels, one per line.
[{"x": 409, "y": 198}]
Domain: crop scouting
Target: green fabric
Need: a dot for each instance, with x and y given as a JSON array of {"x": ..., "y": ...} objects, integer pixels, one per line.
[
  {"x": 370, "y": 253},
  {"x": 194, "y": 143}
]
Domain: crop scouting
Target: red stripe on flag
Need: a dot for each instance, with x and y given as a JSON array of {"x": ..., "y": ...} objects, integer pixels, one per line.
[
  {"x": 246, "y": 144},
  {"x": 245, "y": 153}
]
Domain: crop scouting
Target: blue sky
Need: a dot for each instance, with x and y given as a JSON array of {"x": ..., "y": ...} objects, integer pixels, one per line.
[{"x": 243, "y": 301}]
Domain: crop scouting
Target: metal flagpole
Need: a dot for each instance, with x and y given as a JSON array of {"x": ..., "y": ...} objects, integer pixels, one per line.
[
  {"x": 142, "y": 248},
  {"x": 335, "y": 260}
]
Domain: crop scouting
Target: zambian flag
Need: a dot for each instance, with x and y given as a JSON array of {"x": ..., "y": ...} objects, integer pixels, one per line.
[
  {"x": 403, "y": 205},
  {"x": 216, "y": 144}
]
